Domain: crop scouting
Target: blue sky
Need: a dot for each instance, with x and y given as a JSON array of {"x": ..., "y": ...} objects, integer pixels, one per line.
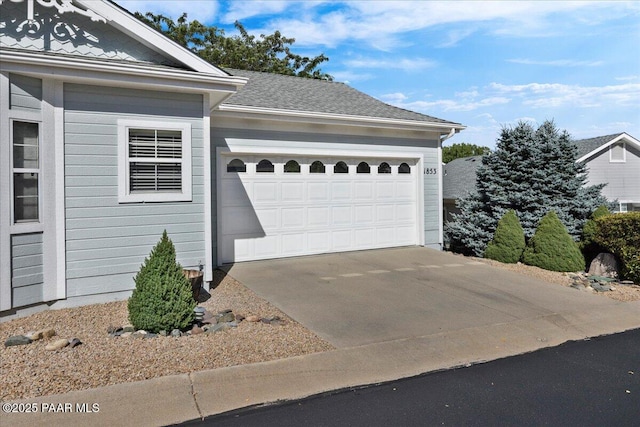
[{"x": 483, "y": 64}]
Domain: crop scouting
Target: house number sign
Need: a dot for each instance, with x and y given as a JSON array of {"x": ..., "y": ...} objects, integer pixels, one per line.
[{"x": 430, "y": 171}]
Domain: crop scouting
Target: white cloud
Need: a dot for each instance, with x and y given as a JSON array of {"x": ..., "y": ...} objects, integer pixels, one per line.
[
  {"x": 449, "y": 105},
  {"x": 627, "y": 78},
  {"x": 554, "y": 95},
  {"x": 394, "y": 98},
  {"x": 349, "y": 76},
  {"x": 405, "y": 64},
  {"x": 201, "y": 10},
  {"x": 558, "y": 62}
]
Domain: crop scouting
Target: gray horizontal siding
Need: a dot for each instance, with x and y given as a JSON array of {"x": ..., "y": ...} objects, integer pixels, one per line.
[
  {"x": 25, "y": 93},
  {"x": 622, "y": 179},
  {"x": 107, "y": 242},
  {"x": 27, "y": 274}
]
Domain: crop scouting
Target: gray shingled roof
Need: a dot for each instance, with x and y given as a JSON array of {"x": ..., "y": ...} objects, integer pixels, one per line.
[
  {"x": 267, "y": 90},
  {"x": 459, "y": 177},
  {"x": 585, "y": 146}
]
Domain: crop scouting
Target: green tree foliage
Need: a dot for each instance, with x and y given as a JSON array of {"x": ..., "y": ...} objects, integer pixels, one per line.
[
  {"x": 620, "y": 235},
  {"x": 162, "y": 298},
  {"x": 508, "y": 242},
  {"x": 531, "y": 171},
  {"x": 590, "y": 249},
  {"x": 267, "y": 53},
  {"x": 457, "y": 151},
  {"x": 552, "y": 248}
]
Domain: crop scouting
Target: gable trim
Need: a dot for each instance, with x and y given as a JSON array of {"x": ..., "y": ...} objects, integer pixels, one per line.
[{"x": 624, "y": 137}]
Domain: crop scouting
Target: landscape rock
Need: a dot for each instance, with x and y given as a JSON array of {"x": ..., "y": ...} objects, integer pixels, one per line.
[
  {"x": 252, "y": 318},
  {"x": 125, "y": 334},
  {"x": 196, "y": 330},
  {"x": 162, "y": 333},
  {"x": 151, "y": 335},
  {"x": 57, "y": 344},
  {"x": 627, "y": 282},
  {"x": 239, "y": 317},
  {"x": 129, "y": 328},
  {"x": 605, "y": 265},
  {"x": 115, "y": 331},
  {"x": 74, "y": 342},
  {"x": 176, "y": 333},
  {"x": 17, "y": 340},
  {"x": 226, "y": 316}
]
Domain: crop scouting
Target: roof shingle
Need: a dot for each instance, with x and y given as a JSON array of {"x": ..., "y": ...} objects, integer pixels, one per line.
[
  {"x": 459, "y": 177},
  {"x": 277, "y": 91}
]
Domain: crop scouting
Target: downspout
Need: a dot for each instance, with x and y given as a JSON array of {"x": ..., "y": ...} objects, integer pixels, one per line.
[{"x": 449, "y": 135}]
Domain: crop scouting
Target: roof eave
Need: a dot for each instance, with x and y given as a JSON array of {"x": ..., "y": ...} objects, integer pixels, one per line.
[{"x": 240, "y": 111}]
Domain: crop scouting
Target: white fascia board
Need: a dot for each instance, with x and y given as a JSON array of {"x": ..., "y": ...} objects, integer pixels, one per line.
[
  {"x": 80, "y": 70},
  {"x": 151, "y": 38},
  {"x": 237, "y": 111},
  {"x": 623, "y": 136}
]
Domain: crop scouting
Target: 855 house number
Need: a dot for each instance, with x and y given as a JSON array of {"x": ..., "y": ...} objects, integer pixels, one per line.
[{"x": 430, "y": 171}]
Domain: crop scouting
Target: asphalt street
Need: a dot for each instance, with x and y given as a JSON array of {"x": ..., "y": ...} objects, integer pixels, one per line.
[{"x": 594, "y": 382}]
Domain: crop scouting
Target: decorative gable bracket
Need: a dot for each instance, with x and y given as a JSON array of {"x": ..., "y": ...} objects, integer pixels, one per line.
[{"x": 63, "y": 6}]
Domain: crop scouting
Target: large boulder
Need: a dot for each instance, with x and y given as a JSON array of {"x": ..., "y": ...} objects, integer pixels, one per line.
[{"x": 605, "y": 264}]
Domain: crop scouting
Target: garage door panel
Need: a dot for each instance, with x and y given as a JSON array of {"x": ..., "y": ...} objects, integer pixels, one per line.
[
  {"x": 318, "y": 242},
  {"x": 292, "y": 218},
  {"x": 364, "y": 214},
  {"x": 272, "y": 215},
  {"x": 265, "y": 192},
  {"x": 318, "y": 217},
  {"x": 293, "y": 192},
  {"x": 341, "y": 215},
  {"x": 341, "y": 240},
  {"x": 318, "y": 191},
  {"x": 364, "y": 191},
  {"x": 268, "y": 218},
  {"x": 341, "y": 190}
]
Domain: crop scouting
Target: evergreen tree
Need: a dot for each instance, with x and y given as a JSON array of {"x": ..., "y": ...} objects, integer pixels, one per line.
[
  {"x": 508, "y": 242},
  {"x": 457, "y": 151},
  {"x": 590, "y": 249},
  {"x": 552, "y": 248},
  {"x": 531, "y": 171},
  {"x": 162, "y": 298}
]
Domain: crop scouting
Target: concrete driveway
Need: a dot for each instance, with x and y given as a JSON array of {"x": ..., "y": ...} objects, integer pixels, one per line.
[{"x": 357, "y": 298}]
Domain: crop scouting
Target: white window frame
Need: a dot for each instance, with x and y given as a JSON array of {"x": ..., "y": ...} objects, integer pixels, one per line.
[
  {"x": 624, "y": 153},
  {"x": 26, "y": 225},
  {"x": 124, "y": 193}
]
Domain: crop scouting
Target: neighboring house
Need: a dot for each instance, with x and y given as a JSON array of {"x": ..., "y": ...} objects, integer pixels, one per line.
[
  {"x": 458, "y": 180},
  {"x": 614, "y": 160},
  {"x": 111, "y": 133}
]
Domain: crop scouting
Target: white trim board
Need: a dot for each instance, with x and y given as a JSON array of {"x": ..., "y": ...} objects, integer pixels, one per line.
[{"x": 623, "y": 136}]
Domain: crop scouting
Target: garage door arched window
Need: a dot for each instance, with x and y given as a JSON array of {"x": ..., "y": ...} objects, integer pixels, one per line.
[
  {"x": 236, "y": 165},
  {"x": 404, "y": 168},
  {"x": 384, "y": 168},
  {"x": 341, "y": 167},
  {"x": 363, "y": 167},
  {"x": 317, "y": 167},
  {"x": 264, "y": 165},
  {"x": 292, "y": 167}
]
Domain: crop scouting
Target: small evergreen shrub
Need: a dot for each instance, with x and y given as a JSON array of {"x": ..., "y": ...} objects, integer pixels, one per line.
[
  {"x": 590, "y": 249},
  {"x": 620, "y": 235},
  {"x": 162, "y": 298},
  {"x": 508, "y": 241},
  {"x": 552, "y": 248}
]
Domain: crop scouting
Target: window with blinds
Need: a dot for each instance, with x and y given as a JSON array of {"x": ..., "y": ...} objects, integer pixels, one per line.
[{"x": 155, "y": 160}]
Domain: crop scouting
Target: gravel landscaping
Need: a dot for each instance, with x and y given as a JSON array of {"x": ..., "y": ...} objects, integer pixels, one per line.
[{"x": 100, "y": 360}]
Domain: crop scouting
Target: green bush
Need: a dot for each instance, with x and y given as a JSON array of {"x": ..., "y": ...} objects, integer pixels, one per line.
[
  {"x": 162, "y": 298},
  {"x": 590, "y": 249},
  {"x": 552, "y": 248},
  {"x": 620, "y": 235},
  {"x": 508, "y": 241}
]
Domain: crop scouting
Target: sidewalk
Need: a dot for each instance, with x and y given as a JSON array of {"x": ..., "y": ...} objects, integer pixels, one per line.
[{"x": 184, "y": 397}]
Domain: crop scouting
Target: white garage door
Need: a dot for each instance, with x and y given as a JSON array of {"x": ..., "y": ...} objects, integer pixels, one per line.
[{"x": 273, "y": 207}]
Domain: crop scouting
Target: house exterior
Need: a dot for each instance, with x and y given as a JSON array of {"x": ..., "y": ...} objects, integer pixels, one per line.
[
  {"x": 111, "y": 133},
  {"x": 614, "y": 160},
  {"x": 458, "y": 180}
]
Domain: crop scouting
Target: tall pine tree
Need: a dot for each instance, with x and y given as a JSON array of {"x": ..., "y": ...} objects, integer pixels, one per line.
[{"x": 531, "y": 171}]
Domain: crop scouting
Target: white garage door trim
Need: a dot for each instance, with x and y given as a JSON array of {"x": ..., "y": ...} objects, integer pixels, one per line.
[{"x": 279, "y": 155}]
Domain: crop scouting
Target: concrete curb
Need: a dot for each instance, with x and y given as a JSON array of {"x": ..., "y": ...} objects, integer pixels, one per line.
[{"x": 179, "y": 398}]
